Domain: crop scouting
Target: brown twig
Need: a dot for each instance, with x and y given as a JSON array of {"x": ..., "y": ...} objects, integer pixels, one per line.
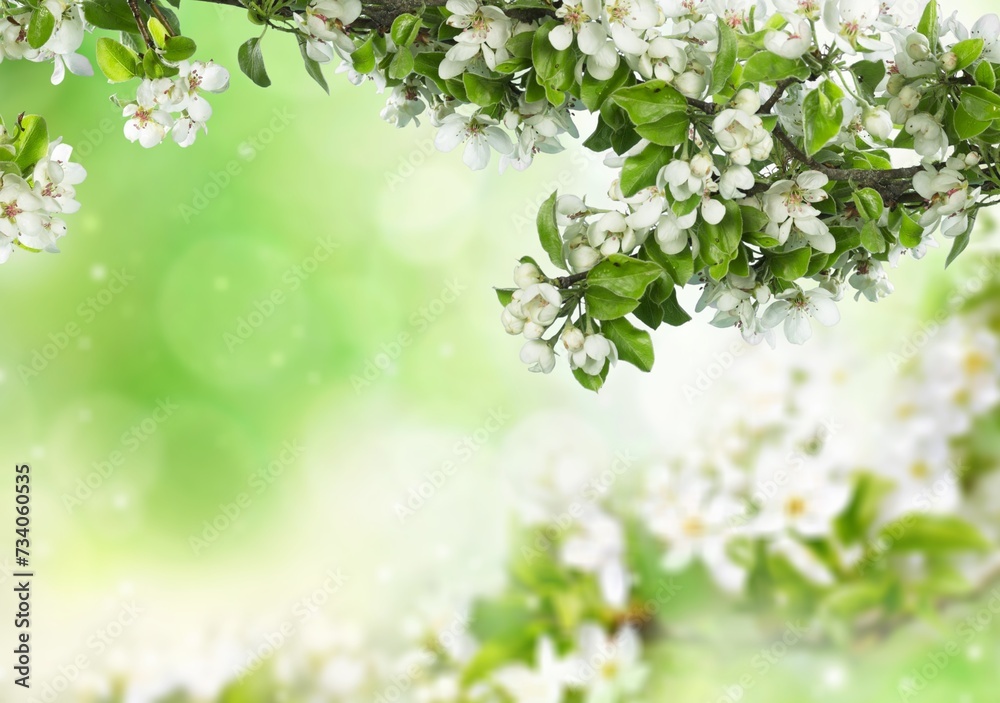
[{"x": 133, "y": 6}]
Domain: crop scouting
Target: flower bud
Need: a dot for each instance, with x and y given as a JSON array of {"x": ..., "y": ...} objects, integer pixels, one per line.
[
  {"x": 538, "y": 356},
  {"x": 895, "y": 83},
  {"x": 909, "y": 97},
  {"x": 511, "y": 323},
  {"x": 972, "y": 159},
  {"x": 949, "y": 61},
  {"x": 583, "y": 258},
  {"x": 572, "y": 338},
  {"x": 702, "y": 165},
  {"x": 917, "y": 47},
  {"x": 747, "y": 100},
  {"x": 690, "y": 84},
  {"x": 878, "y": 122},
  {"x": 527, "y": 274},
  {"x": 533, "y": 330}
]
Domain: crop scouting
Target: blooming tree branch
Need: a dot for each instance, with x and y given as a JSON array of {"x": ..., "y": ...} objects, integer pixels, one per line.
[{"x": 772, "y": 160}]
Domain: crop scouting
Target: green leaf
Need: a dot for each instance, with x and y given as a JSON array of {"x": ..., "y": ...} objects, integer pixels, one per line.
[
  {"x": 869, "y": 203},
  {"x": 32, "y": 142},
  {"x": 177, "y": 49},
  {"x": 765, "y": 67},
  {"x": 670, "y": 130},
  {"x": 981, "y": 104},
  {"x": 986, "y": 76},
  {"x": 928, "y": 25},
  {"x": 427, "y": 64},
  {"x": 116, "y": 61},
  {"x": 312, "y": 67},
  {"x": 852, "y": 599},
  {"x": 634, "y": 345},
  {"x": 967, "y": 51},
  {"x": 872, "y": 239},
  {"x": 363, "y": 58},
  {"x": 555, "y": 69},
  {"x": 591, "y": 383},
  {"x": 962, "y": 240},
  {"x": 854, "y": 523},
  {"x": 40, "y": 26},
  {"x": 725, "y": 60},
  {"x": 548, "y": 231},
  {"x": 593, "y": 92},
  {"x": 649, "y": 101},
  {"x": 869, "y": 75},
  {"x": 520, "y": 44},
  {"x": 405, "y": 29},
  {"x": 624, "y": 275},
  {"x": 754, "y": 220},
  {"x": 113, "y": 15},
  {"x": 602, "y": 304},
  {"x": 822, "y": 115},
  {"x": 679, "y": 267},
  {"x": 505, "y": 295},
  {"x": 401, "y": 64},
  {"x": 967, "y": 126},
  {"x": 640, "y": 171},
  {"x": 790, "y": 265},
  {"x": 910, "y": 232},
  {"x": 673, "y": 313},
  {"x": 933, "y": 533},
  {"x": 719, "y": 242},
  {"x": 153, "y": 66},
  {"x": 512, "y": 66},
  {"x": 251, "y": 61},
  {"x": 483, "y": 91},
  {"x": 158, "y": 31}
]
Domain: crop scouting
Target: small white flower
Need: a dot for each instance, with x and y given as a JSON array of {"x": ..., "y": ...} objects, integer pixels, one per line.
[
  {"x": 789, "y": 203},
  {"x": 581, "y": 19},
  {"x": 598, "y": 547},
  {"x": 148, "y": 123},
  {"x": 791, "y": 42},
  {"x": 485, "y": 31},
  {"x": 479, "y": 134},
  {"x": 196, "y": 78},
  {"x": 593, "y": 354},
  {"x": 538, "y": 355},
  {"x": 608, "y": 668},
  {"x": 877, "y": 122},
  {"x": 611, "y": 234},
  {"x": 543, "y": 683},
  {"x": 987, "y": 28},
  {"x": 794, "y": 307},
  {"x": 929, "y": 138},
  {"x": 541, "y": 302}
]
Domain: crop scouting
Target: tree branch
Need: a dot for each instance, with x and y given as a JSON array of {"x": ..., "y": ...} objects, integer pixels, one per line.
[
  {"x": 779, "y": 90},
  {"x": 873, "y": 178},
  {"x": 133, "y": 6}
]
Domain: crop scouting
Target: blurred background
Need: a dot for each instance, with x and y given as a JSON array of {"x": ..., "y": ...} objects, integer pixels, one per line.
[{"x": 252, "y": 353}]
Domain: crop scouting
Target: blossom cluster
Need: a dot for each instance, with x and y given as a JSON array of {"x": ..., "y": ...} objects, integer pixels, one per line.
[
  {"x": 770, "y": 512},
  {"x": 174, "y": 105},
  {"x": 61, "y": 46},
  {"x": 32, "y": 205},
  {"x": 744, "y": 137}
]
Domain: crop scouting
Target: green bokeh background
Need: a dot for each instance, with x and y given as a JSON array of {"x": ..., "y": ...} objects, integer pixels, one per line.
[{"x": 407, "y": 222}]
